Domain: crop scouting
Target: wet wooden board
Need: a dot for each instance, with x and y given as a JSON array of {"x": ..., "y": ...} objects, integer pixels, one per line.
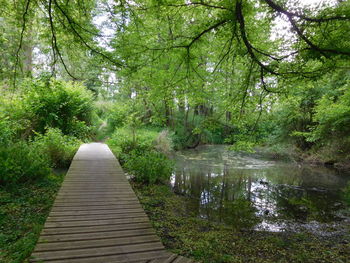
[{"x": 97, "y": 217}]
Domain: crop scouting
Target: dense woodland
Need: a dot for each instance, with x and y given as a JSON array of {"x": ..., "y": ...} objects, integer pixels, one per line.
[{"x": 153, "y": 76}]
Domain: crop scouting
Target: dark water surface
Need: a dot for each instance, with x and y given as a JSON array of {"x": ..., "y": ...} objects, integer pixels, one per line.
[{"x": 250, "y": 191}]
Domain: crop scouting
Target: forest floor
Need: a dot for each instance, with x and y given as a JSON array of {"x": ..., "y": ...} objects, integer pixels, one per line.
[
  {"x": 23, "y": 211},
  {"x": 207, "y": 242}
]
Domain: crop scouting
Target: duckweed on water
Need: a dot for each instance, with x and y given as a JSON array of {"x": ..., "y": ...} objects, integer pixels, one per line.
[{"x": 211, "y": 242}]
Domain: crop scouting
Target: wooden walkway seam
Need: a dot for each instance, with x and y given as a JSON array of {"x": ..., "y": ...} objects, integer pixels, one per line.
[{"x": 97, "y": 217}]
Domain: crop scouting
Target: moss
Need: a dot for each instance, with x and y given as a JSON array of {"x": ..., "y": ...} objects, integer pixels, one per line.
[{"x": 204, "y": 241}]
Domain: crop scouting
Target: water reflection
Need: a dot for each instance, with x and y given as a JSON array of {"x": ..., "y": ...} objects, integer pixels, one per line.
[{"x": 246, "y": 190}]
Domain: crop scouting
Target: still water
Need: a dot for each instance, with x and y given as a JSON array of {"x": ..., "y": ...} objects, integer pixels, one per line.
[{"x": 249, "y": 191}]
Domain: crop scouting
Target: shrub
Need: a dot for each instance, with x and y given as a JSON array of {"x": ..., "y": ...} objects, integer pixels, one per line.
[
  {"x": 20, "y": 162},
  {"x": 332, "y": 115},
  {"x": 163, "y": 142},
  {"x": 184, "y": 137},
  {"x": 103, "y": 107},
  {"x": 139, "y": 156},
  {"x": 245, "y": 146},
  {"x": 64, "y": 105},
  {"x": 149, "y": 168},
  {"x": 6, "y": 133},
  {"x": 59, "y": 148},
  {"x": 117, "y": 116},
  {"x": 122, "y": 142}
]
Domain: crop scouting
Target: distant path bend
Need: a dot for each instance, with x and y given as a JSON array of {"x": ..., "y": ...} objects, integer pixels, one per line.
[{"x": 97, "y": 218}]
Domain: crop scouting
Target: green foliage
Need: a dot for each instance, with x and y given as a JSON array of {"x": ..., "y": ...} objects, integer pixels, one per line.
[
  {"x": 20, "y": 162},
  {"x": 292, "y": 118},
  {"x": 151, "y": 167},
  {"x": 58, "y": 104},
  {"x": 244, "y": 146},
  {"x": 59, "y": 148},
  {"x": 122, "y": 142},
  {"x": 163, "y": 142},
  {"x": 201, "y": 129},
  {"x": 103, "y": 108},
  {"x": 181, "y": 137},
  {"x": 117, "y": 116},
  {"x": 346, "y": 192},
  {"x": 6, "y": 133},
  {"x": 333, "y": 116},
  {"x": 315, "y": 118},
  {"x": 23, "y": 211},
  {"x": 29, "y": 145},
  {"x": 138, "y": 155},
  {"x": 49, "y": 103},
  {"x": 281, "y": 151}
]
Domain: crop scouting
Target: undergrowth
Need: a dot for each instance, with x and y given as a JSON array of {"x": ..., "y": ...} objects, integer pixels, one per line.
[{"x": 23, "y": 211}]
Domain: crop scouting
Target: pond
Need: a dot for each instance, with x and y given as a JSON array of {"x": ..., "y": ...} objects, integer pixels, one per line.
[{"x": 250, "y": 191}]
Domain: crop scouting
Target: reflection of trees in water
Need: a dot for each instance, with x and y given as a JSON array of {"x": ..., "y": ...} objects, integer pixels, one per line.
[
  {"x": 307, "y": 204},
  {"x": 217, "y": 196},
  {"x": 224, "y": 194}
]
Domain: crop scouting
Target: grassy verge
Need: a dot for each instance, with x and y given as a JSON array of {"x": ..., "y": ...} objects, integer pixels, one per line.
[
  {"x": 23, "y": 211},
  {"x": 203, "y": 241}
]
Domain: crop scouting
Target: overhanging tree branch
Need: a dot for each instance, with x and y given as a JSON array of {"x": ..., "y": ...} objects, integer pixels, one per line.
[
  {"x": 291, "y": 17},
  {"x": 76, "y": 33},
  {"x": 25, "y": 13},
  {"x": 282, "y": 10},
  {"x": 200, "y": 3},
  {"x": 248, "y": 45},
  {"x": 313, "y": 46},
  {"x": 54, "y": 42},
  {"x": 198, "y": 36}
]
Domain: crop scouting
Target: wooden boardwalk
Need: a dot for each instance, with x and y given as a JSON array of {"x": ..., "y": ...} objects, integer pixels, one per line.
[{"x": 97, "y": 217}]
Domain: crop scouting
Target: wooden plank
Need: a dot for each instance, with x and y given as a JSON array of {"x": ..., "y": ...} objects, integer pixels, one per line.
[
  {"x": 95, "y": 195},
  {"x": 100, "y": 251},
  {"x": 57, "y": 208},
  {"x": 106, "y": 242},
  {"x": 95, "y": 199},
  {"x": 182, "y": 260},
  {"x": 96, "y": 235},
  {"x": 170, "y": 259},
  {"x": 92, "y": 193},
  {"x": 94, "y": 229},
  {"x": 52, "y": 218},
  {"x": 123, "y": 258},
  {"x": 89, "y": 204},
  {"x": 97, "y": 212},
  {"x": 99, "y": 222}
]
